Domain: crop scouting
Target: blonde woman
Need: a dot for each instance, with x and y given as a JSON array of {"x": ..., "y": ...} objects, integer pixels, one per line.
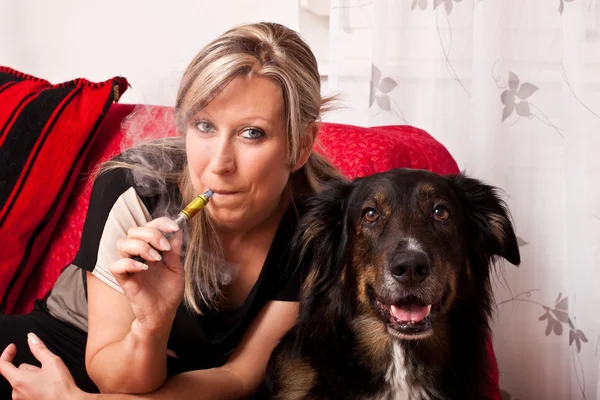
[{"x": 198, "y": 324}]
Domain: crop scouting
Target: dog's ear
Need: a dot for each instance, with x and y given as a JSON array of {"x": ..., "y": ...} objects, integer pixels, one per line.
[
  {"x": 321, "y": 237},
  {"x": 488, "y": 217},
  {"x": 320, "y": 243}
]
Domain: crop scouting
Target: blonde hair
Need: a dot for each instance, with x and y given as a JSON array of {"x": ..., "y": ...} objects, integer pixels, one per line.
[{"x": 267, "y": 50}]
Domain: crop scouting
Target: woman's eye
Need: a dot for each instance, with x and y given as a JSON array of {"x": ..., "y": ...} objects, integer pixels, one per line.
[
  {"x": 205, "y": 126},
  {"x": 252, "y": 133}
]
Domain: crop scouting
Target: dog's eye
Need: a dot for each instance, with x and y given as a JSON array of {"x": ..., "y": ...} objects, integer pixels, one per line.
[
  {"x": 370, "y": 215},
  {"x": 441, "y": 213}
]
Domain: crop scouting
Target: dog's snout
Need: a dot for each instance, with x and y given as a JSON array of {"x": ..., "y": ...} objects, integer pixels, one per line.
[{"x": 411, "y": 267}]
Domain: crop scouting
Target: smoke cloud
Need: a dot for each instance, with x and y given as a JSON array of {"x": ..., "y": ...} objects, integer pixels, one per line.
[{"x": 153, "y": 157}]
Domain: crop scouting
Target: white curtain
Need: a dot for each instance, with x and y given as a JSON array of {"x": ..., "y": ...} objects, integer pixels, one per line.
[{"x": 512, "y": 89}]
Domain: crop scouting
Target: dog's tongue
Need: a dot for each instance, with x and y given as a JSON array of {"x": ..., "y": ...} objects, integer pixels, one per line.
[{"x": 410, "y": 313}]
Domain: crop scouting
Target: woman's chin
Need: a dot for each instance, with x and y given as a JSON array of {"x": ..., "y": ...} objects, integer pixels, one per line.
[
  {"x": 238, "y": 213},
  {"x": 224, "y": 217}
]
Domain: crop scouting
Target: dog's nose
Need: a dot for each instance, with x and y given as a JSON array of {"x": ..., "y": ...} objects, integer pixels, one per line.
[{"x": 411, "y": 267}]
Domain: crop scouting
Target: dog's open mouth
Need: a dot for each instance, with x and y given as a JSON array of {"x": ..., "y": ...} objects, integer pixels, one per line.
[{"x": 408, "y": 318}]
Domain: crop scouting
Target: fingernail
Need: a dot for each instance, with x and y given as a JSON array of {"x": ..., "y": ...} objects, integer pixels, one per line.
[
  {"x": 173, "y": 225},
  {"x": 141, "y": 265},
  {"x": 33, "y": 338},
  {"x": 164, "y": 243},
  {"x": 154, "y": 254}
]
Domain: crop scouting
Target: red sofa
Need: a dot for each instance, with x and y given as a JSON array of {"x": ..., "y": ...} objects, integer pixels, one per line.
[{"x": 356, "y": 151}]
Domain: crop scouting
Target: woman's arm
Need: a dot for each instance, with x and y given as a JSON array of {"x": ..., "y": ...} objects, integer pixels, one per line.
[
  {"x": 239, "y": 378},
  {"x": 249, "y": 360},
  {"x": 120, "y": 356}
]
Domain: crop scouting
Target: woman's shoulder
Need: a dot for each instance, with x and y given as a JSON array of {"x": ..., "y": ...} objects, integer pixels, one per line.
[
  {"x": 119, "y": 175},
  {"x": 110, "y": 183}
]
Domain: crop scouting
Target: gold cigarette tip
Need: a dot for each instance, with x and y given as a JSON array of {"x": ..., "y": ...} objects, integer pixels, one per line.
[{"x": 197, "y": 204}]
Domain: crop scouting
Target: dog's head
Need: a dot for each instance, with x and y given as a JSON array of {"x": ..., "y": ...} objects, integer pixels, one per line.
[{"x": 403, "y": 247}]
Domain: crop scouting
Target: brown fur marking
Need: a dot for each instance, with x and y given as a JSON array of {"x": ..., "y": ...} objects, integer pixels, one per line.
[
  {"x": 373, "y": 342},
  {"x": 497, "y": 223},
  {"x": 299, "y": 377}
]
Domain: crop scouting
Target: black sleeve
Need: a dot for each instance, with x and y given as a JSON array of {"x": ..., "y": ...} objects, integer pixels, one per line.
[{"x": 107, "y": 188}]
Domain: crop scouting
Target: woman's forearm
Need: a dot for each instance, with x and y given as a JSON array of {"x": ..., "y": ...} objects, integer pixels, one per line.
[
  {"x": 209, "y": 384},
  {"x": 212, "y": 384},
  {"x": 141, "y": 365}
]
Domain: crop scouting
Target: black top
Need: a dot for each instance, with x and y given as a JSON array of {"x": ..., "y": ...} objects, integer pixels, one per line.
[{"x": 200, "y": 341}]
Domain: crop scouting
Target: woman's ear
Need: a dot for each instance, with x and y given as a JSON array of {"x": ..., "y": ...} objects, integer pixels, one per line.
[{"x": 308, "y": 142}]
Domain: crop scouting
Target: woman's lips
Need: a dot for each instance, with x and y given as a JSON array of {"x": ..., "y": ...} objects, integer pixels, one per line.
[{"x": 224, "y": 194}]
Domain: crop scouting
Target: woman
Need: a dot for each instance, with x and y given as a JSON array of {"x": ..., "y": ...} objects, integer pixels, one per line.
[{"x": 204, "y": 321}]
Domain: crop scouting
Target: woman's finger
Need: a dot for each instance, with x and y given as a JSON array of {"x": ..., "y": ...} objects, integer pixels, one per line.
[
  {"x": 163, "y": 224},
  {"x": 28, "y": 367},
  {"x": 40, "y": 351},
  {"x": 124, "y": 267},
  {"x": 136, "y": 247},
  {"x": 156, "y": 238},
  {"x": 9, "y": 353},
  {"x": 155, "y": 232},
  {"x": 173, "y": 258},
  {"x": 7, "y": 369}
]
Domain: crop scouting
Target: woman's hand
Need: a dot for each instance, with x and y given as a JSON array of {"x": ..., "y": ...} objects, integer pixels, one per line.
[
  {"x": 154, "y": 289},
  {"x": 52, "y": 381}
]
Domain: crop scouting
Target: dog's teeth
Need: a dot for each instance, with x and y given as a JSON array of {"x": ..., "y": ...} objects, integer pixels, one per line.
[{"x": 428, "y": 310}]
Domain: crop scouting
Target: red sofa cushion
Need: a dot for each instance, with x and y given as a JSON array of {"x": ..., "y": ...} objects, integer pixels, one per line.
[
  {"x": 358, "y": 151},
  {"x": 45, "y": 133}
]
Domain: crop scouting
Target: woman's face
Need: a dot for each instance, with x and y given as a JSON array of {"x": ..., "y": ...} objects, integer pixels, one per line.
[{"x": 237, "y": 146}]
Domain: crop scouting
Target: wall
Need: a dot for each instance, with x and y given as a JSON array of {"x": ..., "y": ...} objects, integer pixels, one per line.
[{"x": 148, "y": 41}]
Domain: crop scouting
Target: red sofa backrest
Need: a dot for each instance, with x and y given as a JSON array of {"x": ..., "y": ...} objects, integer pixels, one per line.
[{"x": 356, "y": 151}]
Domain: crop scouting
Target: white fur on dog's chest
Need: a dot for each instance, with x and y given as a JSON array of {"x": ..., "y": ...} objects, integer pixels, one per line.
[{"x": 398, "y": 387}]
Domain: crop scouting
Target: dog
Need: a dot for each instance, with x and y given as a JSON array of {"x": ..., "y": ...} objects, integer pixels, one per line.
[{"x": 396, "y": 298}]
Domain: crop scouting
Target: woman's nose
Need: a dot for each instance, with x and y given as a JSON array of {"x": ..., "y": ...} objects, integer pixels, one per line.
[{"x": 223, "y": 158}]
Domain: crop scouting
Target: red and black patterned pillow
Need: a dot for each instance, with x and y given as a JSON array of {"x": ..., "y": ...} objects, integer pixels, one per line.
[{"x": 45, "y": 132}]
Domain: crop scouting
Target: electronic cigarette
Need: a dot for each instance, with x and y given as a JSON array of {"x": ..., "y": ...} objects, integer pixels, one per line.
[{"x": 185, "y": 215}]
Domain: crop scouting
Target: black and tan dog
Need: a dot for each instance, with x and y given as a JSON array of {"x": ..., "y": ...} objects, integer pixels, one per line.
[{"x": 397, "y": 296}]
